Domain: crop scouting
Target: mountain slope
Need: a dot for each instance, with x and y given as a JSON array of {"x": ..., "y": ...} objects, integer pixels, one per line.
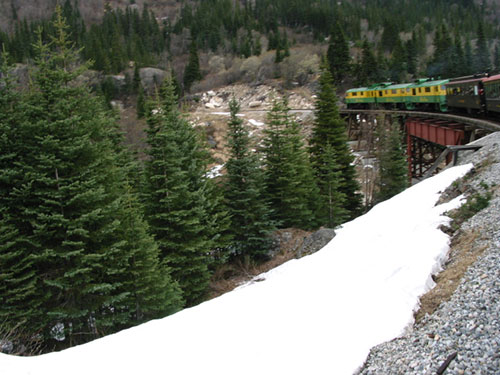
[{"x": 320, "y": 314}]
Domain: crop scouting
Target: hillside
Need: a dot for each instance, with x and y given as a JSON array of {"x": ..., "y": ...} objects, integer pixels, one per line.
[{"x": 326, "y": 309}]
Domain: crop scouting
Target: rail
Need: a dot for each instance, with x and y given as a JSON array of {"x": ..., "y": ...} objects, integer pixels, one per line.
[{"x": 472, "y": 121}]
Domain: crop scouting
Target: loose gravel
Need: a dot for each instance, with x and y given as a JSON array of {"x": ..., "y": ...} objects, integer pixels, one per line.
[{"x": 469, "y": 323}]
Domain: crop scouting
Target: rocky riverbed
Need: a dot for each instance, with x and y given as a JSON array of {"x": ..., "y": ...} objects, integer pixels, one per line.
[{"x": 465, "y": 329}]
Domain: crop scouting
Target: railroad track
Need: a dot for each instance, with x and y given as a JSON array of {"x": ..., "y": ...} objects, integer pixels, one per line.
[{"x": 487, "y": 124}]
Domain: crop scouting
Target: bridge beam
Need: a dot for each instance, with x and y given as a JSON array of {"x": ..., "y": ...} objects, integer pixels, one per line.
[{"x": 426, "y": 139}]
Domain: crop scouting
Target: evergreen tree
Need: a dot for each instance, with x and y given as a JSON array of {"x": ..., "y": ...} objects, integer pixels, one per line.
[
  {"x": 412, "y": 55},
  {"x": 398, "y": 67},
  {"x": 330, "y": 131},
  {"x": 338, "y": 55},
  {"x": 63, "y": 197},
  {"x": 393, "y": 166},
  {"x": 176, "y": 195},
  {"x": 290, "y": 184},
  {"x": 192, "y": 72},
  {"x": 469, "y": 59},
  {"x": 251, "y": 223},
  {"x": 496, "y": 59},
  {"x": 141, "y": 102},
  {"x": 482, "y": 61},
  {"x": 367, "y": 71}
]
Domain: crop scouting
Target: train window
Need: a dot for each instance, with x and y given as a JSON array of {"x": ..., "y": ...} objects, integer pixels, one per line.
[
  {"x": 394, "y": 91},
  {"x": 443, "y": 87},
  {"x": 386, "y": 92},
  {"x": 476, "y": 91},
  {"x": 427, "y": 89},
  {"x": 419, "y": 89},
  {"x": 436, "y": 89},
  {"x": 380, "y": 93},
  {"x": 408, "y": 90},
  {"x": 354, "y": 94}
]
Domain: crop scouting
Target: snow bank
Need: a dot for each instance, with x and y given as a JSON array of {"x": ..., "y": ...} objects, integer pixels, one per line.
[{"x": 317, "y": 315}]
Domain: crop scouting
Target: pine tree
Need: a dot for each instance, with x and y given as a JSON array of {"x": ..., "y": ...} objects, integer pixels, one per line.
[
  {"x": 338, "y": 55},
  {"x": 251, "y": 224},
  {"x": 393, "y": 166},
  {"x": 290, "y": 184},
  {"x": 482, "y": 61},
  {"x": 496, "y": 58},
  {"x": 367, "y": 71},
  {"x": 330, "y": 131},
  {"x": 398, "y": 65},
  {"x": 141, "y": 102},
  {"x": 192, "y": 72},
  {"x": 64, "y": 201},
  {"x": 176, "y": 195}
]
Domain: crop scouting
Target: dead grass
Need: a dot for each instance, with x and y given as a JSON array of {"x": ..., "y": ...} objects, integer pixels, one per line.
[
  {"x": 464, "y": 252},
  {"x": 229, "y": 276}
]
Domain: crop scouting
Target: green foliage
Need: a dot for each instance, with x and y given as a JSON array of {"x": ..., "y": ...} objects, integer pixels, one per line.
[
  {"x": 329, "y": 140},
  {"x": 192, "y": 71},
  {"x": 290, "y": 184},
  {"x": 367, "y": 71},
  {"x": 179, "y": 199},
  {"x": 475, "y": 203},
  {"x": 76, "y": 258},
  {"x": 251, "y": 223},
  {"x": 339, "y": 59},
  {"x": 393, "y": 165}
]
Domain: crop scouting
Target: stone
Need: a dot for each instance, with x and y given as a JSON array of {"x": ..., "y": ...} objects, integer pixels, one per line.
[
  {"x": 151, "y": 78},
  {"x": 315, "y": 241}
]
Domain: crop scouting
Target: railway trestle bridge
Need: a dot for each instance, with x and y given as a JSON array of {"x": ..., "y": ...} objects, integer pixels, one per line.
[{"x": 431, "y": 138}]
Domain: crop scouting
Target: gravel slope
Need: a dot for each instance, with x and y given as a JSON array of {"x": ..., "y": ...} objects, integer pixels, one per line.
[{"x": 469, "y": 323}]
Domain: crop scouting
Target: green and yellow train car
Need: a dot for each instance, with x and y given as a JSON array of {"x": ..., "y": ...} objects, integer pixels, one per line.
[
  {"x": 394, "y": 96},
  {"x": 428, "y": 94},
  {"x": 363, "y": 97}
]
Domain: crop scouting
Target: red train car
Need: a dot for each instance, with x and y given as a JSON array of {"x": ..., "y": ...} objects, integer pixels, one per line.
[{"x": 492, "y": 93}]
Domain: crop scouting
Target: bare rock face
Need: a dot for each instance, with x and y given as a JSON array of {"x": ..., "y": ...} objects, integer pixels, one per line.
[
  {"x": 151, "y": 78},
  {"x": 315, "y": 242}
]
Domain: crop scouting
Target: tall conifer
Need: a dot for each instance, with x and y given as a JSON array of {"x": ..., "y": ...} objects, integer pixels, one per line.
[
  {"x": 65, "y": 202},
  {"x": 330, "y": 131},
  {"x": 393, "y": 170},
  {"x": 251, "y": 223},
  {"x": 176, "y": 195},
  {"x": 290, "y": 184}
]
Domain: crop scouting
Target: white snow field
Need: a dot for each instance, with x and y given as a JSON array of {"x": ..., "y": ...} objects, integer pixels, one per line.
[{"x": 317, "y": 315}]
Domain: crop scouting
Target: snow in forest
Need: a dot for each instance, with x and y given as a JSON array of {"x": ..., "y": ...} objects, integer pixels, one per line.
[{"x": 317, "y": 315}]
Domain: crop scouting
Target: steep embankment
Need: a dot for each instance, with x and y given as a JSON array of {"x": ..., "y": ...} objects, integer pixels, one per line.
[{"x": 461, "y": 315}]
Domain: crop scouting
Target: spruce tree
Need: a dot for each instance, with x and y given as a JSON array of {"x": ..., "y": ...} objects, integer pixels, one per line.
[
  {"x": 251, "y": 223},
  {"x": 338, "y": 55},
  {"x": 192, "y": 73},
  {"x": 330, "y": 131},
  {"x": 482, "y": 61},
  {"x": 290, "y": 184},
  {"x": 367, "y": 71},
  {"x": 393, "y": 166},
  {"x": 63, "y": 198},
  {"x": 176, "y": 195}
]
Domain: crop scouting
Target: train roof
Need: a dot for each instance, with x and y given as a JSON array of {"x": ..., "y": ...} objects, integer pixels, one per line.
[
  {"x": 357, "y": 89},
  {"x": 398, "y": 86},
  {"x": 431, "y": 83},
  {"x": 466, "y": 81},
  {"x": 492, "y": 78}
]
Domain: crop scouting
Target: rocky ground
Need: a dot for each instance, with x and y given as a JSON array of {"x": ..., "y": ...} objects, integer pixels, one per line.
[{"x": 465, "y": 327}]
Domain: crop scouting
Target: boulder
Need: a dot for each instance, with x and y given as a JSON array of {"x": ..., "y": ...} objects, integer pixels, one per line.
[
  {"x": 315, "y": 242},
  {"x": 151, "y": 77}
]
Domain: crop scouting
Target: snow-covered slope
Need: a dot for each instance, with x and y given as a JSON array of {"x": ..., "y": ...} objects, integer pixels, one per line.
[{"x": 317, "y": 315}]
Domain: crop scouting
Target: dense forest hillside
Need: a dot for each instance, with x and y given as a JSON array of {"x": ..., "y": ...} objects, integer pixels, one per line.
[{"x": 95, "y": 238}]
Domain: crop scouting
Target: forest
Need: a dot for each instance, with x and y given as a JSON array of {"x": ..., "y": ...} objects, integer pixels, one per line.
[{"x": 94, "y": 239}]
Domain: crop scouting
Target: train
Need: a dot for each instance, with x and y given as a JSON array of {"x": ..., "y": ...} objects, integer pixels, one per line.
[{"x": 477, "y": 94}]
